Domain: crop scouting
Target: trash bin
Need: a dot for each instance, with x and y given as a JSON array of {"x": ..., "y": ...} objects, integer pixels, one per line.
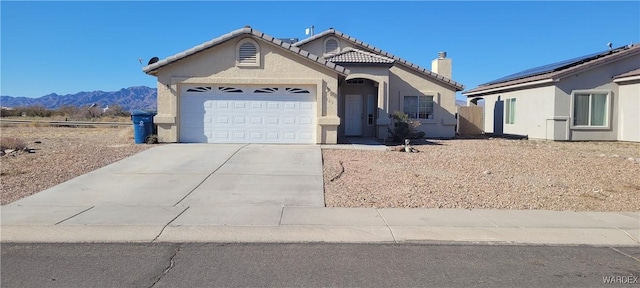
[{"x": 142, "y": 125}]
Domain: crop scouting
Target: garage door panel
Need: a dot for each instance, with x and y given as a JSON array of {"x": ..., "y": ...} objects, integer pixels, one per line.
[
  {"x": 247, "y": 118},
  {"x": 255, "y": 121}
]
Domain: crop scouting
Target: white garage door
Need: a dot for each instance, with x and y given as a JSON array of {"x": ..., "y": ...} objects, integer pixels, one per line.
[{"x": 247, "y": 114}]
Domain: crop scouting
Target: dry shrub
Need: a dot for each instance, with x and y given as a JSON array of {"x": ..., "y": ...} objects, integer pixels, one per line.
[
  {"x": 126, "y": 133},
  {"x": 111, "y": 118},
  {"x": 36, "y": 123},
  {"x": 12, "y": 143}
]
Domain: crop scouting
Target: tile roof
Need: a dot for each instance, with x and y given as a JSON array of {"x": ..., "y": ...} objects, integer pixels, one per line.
[
  {"x": 152, "y": 68},
  {"x": 331, "y": 31},
  {"x": 557, "y": 72},
  {"x": 351, "y": 55},
  {"x": 628, "y": 74}
]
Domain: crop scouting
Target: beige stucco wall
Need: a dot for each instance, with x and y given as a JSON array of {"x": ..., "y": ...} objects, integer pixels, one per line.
[
  {"x": 545, "y": 111},
  {"x": 364, "y": 90},
  {"x": 218, "y": 65},
  {"x": 601, "y": 79},
  {"x": 404, "y": 81},
  {"x": 534, "y": 111},
  {"x": 380, "y": 75},
  {"x": 629, "y": 111}
]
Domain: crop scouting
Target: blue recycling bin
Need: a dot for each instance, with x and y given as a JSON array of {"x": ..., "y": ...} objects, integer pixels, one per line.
[{"x": 142, "y": 125}]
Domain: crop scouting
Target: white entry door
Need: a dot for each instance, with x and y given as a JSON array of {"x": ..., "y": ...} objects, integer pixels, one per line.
[
  {"x": 353, "y": 115},
  {"x": 248, "y": 114}
]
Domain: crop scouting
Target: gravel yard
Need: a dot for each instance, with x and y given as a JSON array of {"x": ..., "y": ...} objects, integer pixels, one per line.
[
  {"x": 63, "y": 154},
  {"x": 473, "y": 173},
  {"x": 488, "y": 173}
]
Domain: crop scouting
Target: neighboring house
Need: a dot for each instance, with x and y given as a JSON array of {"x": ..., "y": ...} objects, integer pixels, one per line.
[
  {"x": 595, "y": 97},
  {"x": 249, "y": 87}
]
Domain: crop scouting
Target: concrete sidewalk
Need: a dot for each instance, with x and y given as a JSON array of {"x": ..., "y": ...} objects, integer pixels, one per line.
[{"x": 315, "y": 224}]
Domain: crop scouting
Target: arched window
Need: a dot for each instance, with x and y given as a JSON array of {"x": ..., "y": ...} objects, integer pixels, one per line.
[
  {"x": 248, "y": 53},
  {"x": 331, "y": 46}
]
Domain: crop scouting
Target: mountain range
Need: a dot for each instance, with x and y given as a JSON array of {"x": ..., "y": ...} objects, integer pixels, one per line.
[{"x": 132, "y": 98}]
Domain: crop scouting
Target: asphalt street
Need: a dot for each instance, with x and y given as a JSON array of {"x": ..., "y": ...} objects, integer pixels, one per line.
[{"x": 315, "y": 265}]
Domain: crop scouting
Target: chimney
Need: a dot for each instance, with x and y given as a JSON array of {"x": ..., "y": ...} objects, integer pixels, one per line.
[{"x": 442, "y": 65}]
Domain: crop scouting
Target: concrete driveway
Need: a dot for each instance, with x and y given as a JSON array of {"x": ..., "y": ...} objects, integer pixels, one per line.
[
  {"x": 181, "y": 184},
  {"x": 266, "y": 193},
  {"x": 198, "y": 175}
]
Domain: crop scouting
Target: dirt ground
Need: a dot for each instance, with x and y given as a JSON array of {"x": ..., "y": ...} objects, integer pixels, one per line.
[
  {"x": 62, "y": 154},
  {"x": 471, "y": 173},
  {"x": 489, "y": 174}
]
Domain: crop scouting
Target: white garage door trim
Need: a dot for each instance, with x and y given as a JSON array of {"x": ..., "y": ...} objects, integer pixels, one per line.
[{"x": 248, "y": 114}]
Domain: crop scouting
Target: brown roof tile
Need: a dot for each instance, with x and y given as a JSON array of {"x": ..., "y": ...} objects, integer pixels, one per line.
[{"x": 350, "y": 55}]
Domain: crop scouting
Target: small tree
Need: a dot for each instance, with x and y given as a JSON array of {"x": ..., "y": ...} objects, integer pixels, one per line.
[{"x": 68, "y": 111}]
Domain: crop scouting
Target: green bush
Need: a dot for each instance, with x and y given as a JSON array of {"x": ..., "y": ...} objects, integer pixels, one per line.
[{"x": 404, "y": 127}]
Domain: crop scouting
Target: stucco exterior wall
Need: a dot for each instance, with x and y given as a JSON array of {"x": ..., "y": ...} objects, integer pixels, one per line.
[
  {"x": 545, "y": 111},
  {"x": 380, "y": 75},
  {"x": 365, "y": 89},
  {"x": 405, "y": 82},
  {"x": 534, "y": 109},
  {"x": 218, "y": 65},
  {"x": 599, "y": 78},
  {"x": 629, "y": 111}
]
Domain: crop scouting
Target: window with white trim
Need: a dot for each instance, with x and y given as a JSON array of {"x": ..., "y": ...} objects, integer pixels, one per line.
[
  {"x": 331, "y": 46},
  {"x": 591, "y": 109},
  {"x": 419, "y": 107},
  {"x": 371, "y": 109},
  {"x": 248, "y": 53},
  {"x": 510, "y": 115}
]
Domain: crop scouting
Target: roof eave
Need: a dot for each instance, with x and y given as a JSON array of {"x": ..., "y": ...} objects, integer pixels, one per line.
[
  {"x": 472, "y": 93},
  {"x": 152, "y": 69},
  {"x": 314, "y": 37},
  {"x": 627, "y": 78},
  {"x": 365, "y": 64}
]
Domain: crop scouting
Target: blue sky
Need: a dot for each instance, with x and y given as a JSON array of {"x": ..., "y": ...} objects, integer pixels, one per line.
[{"x": 67, "y": 47}]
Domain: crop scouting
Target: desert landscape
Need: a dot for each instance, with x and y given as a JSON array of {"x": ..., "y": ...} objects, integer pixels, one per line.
[
  {"x": 58, "y": 154},
  {"x": 487, "y": 173}
]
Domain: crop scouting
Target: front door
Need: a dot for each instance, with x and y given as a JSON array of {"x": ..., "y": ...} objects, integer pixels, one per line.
[{"x": 353, "y": 115}]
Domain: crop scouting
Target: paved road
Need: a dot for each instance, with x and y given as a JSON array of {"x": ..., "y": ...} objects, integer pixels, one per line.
[{"x": 338, "y": 265}]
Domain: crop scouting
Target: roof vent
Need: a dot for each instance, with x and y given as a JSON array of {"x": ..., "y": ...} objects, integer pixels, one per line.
[
  {"x": 442, "y": 55},
  {"x": 289, "y": 40}
]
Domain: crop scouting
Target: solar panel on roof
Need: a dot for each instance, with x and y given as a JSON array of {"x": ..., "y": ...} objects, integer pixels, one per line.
[{"x": 549, "y": 67}]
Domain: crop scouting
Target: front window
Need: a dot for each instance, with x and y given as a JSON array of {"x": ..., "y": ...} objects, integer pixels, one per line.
[
  {"x": 510, "y": 116},
  {"x": 419, "y": 107},
  {"x": 590, "y": 109},
  {"x": 371, "y": 108}
]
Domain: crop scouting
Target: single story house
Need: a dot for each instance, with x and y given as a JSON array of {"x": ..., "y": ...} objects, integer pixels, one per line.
[
  {"x": 249, "y": 87},
  {"x": 594, "y": 97}
]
